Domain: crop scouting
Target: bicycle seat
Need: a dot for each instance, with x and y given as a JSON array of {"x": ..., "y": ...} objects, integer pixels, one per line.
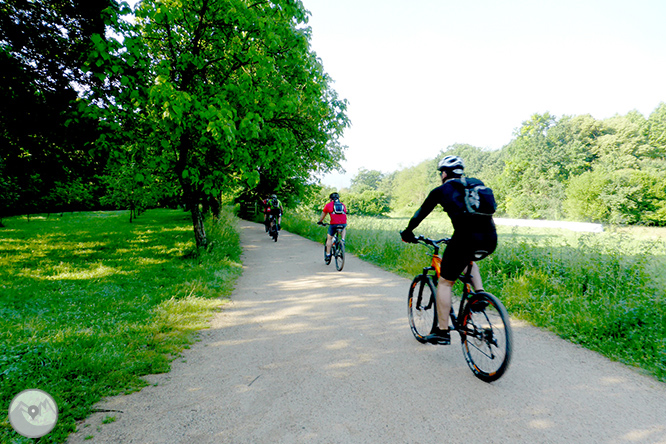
[{"x": 480, "y": 254}]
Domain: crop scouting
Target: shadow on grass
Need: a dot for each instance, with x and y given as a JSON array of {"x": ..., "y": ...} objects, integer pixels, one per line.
[{"x": 90, "y": 303}]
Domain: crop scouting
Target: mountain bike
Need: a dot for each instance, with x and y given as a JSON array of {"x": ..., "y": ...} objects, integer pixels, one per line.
[
  {"x": 272, "y": 228},
  {"x": 337, "y": 248},
  {"x": 482, "y": 321}
]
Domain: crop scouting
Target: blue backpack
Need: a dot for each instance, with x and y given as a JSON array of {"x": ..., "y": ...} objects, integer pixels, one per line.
[{"x": 338, "y": 208}]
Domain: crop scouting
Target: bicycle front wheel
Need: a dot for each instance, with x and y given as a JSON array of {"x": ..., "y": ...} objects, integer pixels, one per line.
[
  {"x": 421, "y": 307},
  {"x": 486, "y": 336},
  {"x": 340, "y": 256}
]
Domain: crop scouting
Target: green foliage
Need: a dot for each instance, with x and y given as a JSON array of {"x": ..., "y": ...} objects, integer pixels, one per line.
[
  {"x": 74, "y": 195},
  {"x": 217, "y": 95},
  {"x": 8, "y": 191},
  {"x": 576, "y": 167},
  {"x": 44, "y": 138},
  {"x": 602, "y": 292},
  {"x": 366, "y": 180},
  {"x": 91, "y": 303},
  {"x": 409, "y": 187},
  {"x": 132, "y": 187},
  {"x": 368, "y": 203},
  {"x": 366, "y": 196}
]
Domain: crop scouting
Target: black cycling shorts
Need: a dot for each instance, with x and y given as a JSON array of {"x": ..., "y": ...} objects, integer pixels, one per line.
[
  {"x": 333, "y": 227},
  {"x": 463, "y": 249}
]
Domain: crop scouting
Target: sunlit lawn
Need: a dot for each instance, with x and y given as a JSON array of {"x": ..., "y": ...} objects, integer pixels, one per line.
[{"x": 90, "y": 302}]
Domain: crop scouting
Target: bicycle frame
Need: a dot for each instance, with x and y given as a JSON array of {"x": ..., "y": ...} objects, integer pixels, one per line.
[
  {"x": 337, "y": 237},
  {"x": 337, "y": 248},
  {"x": 465, "y": 278},
  {"x": 272, "y": 227}
]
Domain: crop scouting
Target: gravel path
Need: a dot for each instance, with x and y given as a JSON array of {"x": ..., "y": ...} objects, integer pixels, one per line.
[{"x": 305, "y": 354}]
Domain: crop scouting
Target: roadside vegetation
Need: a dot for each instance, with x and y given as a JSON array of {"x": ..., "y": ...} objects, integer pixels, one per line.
[
  {"x": 604, "y": 291},
  {"x": 90, "y": 303}
]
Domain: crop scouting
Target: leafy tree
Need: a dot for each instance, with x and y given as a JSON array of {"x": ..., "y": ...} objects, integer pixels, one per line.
[
  {"x": 43, "y": 47},
  {"x": 584, "y": 200},
  {"x": 366, "y": 180},
  {"x": 411, "y": 186},
  {"x": 656, "y": 133},
  {"x": 131, "y": 186},
  {"x": 368, "y": 203},
  {"x": 623, "y": 143},
  {"x": 235, "y": 93},
  {"x": 8, "y": 192},
  {"x": 75, "y": 195},
  {"x": 365, "y": 196},
  {"x": 574, "y": 140},
  {"x": 530, "y": 184}
]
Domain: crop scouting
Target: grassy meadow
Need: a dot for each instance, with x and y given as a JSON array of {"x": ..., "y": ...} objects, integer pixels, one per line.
[
  {"x": 89, "y": 303},
  {"x": 605, "y": 291}
]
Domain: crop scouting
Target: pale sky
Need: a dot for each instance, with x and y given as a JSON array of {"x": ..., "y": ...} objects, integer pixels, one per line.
[{"x": 421, "y": 75}]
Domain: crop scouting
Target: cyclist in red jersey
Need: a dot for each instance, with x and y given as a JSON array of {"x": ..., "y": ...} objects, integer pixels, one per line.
[
  {"x": 338, "y": 212},
  {"x": 266, "y": 209}
]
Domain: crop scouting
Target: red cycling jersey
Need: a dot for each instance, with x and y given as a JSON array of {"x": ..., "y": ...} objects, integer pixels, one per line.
[{"x": 336, "y": 219}]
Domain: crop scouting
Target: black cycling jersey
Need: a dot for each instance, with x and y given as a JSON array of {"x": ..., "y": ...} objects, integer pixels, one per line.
[
  {"x": 474, "y": 236},
  {"x": 450, "y": 196}
]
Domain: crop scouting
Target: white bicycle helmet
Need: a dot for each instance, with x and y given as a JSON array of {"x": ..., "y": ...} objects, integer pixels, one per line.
[{"x": 452, "y": 164}]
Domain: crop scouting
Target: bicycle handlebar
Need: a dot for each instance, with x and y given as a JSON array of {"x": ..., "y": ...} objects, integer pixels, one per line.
[{"x": 433, "y": 242}]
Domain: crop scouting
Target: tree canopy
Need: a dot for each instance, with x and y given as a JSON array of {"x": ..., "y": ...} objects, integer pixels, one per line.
[
  {"x": 186, "y": 101},
  {"x": 575, "y": 167},
  {"x": 44, "y": 45},
  {"x": 235, "y": 96}
]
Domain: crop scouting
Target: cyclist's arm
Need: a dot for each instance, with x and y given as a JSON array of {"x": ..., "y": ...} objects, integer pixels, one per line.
[
  {"x": 426, "y": 208},
  {"x": 323, "y": 216}
]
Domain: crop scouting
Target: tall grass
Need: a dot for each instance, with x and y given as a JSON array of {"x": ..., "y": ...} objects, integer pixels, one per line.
[
  {"x": 89, "y": 303},
  {"x": 605, "y": 291}
]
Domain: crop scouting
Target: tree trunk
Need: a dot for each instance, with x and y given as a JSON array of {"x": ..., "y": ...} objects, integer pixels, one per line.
[
  {"x": 190, "y": 193},
  {"x": 215, "y": 207},
  {"x": 198, "y": 222}
]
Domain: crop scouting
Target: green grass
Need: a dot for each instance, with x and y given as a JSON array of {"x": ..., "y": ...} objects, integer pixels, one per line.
[
  {"x": 89, "y": 303},
  {"x": 605, "y": 291}
]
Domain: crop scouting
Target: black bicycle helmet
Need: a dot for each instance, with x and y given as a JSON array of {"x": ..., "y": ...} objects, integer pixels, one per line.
[
  {"x": 453, "y": 165},
  {"x": 334, "y": 196}
]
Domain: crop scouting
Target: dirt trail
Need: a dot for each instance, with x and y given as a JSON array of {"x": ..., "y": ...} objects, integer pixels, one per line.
[{"x": 305, "y": 354}]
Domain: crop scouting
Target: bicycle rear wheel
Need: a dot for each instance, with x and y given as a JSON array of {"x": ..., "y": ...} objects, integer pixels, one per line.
[
  {"x": 421, "y": 307},
  {"x": 486, "y": 337},
  {"x": 340, "y": 256}
]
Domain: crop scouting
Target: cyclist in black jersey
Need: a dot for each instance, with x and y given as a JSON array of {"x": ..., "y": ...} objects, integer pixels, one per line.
[{"x": 474, "y": 237}]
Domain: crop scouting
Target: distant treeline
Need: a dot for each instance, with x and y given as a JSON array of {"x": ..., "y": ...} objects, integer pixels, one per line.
[{"x": 573, "y": 167}]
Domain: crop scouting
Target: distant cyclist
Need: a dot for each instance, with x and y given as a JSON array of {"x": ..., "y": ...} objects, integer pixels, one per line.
[
  {"x": 274, "y": 207},
  {"x": 338, "y": 212},
  {"x": 474, "y": 237},
  {"x": 266, "y": 207}
]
